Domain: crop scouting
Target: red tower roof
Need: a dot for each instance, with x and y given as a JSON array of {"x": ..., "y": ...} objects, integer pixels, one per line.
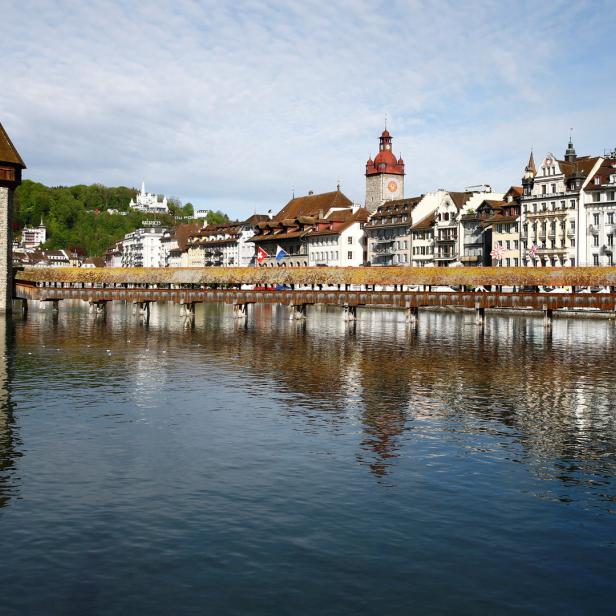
[{"x": 385, "y": 161}]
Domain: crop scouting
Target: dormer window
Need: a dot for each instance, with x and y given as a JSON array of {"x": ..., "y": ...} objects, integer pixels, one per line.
[{"x": 597, "y": 181}]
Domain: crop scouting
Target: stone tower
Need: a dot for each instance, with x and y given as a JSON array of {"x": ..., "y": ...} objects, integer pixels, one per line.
[
  {"x": 11, "y": 166},
  {"x": 384, "y": 175}
]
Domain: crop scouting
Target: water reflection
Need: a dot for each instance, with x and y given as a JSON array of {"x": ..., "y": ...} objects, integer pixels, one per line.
[
  {"x": 544, "y": 400},
  {"x": 9, "y": 442}
]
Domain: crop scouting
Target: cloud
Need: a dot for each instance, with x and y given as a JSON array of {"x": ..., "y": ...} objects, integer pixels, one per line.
[{"x": 233, "y": 106}]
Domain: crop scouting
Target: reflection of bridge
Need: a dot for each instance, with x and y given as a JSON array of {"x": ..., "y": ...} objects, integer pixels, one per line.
[{"x": 188, "y": 295}]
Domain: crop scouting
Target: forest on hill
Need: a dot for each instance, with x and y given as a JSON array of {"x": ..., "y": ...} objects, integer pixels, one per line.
[{"x": 78, "y": 216}]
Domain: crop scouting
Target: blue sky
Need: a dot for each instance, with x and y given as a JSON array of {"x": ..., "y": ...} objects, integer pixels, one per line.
[{"x": 234, "y": 105}]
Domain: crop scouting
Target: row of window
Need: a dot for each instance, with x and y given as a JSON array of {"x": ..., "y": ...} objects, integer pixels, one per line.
[
  {"x": 610, "y": 240},
  {"x": 596, "y": 218},
  {"x": 543, "y": 207},
  {"x": 423, "y": 250},
  {"x": 507, "y": 228},
  {"x": 609, "y": 196},
  {"x": 509, "y": 262},
  {"x": 329, "y": 255}
]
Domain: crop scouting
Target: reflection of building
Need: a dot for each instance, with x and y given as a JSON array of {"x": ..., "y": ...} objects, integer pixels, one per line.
[
  {"x": 7, "y": 437},
  {"x": 148, "y": 202}
]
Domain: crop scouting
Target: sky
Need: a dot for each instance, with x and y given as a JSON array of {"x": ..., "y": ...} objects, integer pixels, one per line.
[{"x": 236, "y": 105}]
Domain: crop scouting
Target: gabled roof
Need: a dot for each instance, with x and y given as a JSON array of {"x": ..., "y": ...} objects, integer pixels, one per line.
[
  {"x": 460, "y": 198},
  {"x": 183, "y": 232},
  {"x": 581, "y": 167},
  {"x": 256, "y": 218},
  {"x": 8, "y": 153},
  {"x": 607, "y": 169},
  {"x": 311, "y": 205},
  {"x": 427, "y": 222}
]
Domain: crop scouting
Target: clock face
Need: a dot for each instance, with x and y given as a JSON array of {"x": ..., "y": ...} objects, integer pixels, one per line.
[{"x": 392, "y": 186}]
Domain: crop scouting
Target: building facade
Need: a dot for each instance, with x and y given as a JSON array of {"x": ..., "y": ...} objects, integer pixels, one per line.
[
  {"x": 388, "y": 232},
  {"x": 553, "y": 213},
  {"x": 33, "y": 237},
  {"x": 289, "y": 229},
  {"x": 600, "y": 204},
  {"x": 337, "y": 239},
  {"x": 141, "y": 248},
  {"x": 148, "y": 202}
]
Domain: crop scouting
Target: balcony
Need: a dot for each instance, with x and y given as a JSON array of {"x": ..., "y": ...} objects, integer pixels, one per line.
[{"x": 384, "y": 251}]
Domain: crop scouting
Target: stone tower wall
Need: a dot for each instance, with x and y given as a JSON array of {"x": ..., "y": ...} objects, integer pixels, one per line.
[
  {"x": 6, "y": 243},
  {"x": 377, "y": 190}
]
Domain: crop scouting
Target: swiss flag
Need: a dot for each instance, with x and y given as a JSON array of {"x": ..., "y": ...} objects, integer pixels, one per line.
[{"x": 261, "y": 255}]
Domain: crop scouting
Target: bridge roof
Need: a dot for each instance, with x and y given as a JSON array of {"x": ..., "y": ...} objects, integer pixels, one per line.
[
  {"x": 506, "y": 276},
  {"x": 8, "y": 153}
]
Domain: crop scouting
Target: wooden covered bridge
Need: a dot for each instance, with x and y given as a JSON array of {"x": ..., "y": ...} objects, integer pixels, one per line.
[{"x": 544, "y": 289}]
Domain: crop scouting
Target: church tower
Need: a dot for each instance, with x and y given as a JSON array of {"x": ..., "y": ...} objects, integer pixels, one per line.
[
  {"x": 528, "y": 179},
  {"x": 384, "y": 175}
]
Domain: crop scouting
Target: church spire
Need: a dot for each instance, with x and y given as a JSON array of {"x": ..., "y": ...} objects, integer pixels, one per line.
[
  {"x": 570, "y": 154},
  {"x": 530, "y": 168}
]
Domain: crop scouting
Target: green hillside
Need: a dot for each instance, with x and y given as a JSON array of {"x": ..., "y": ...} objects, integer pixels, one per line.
[{"x": 76, "y": 216}]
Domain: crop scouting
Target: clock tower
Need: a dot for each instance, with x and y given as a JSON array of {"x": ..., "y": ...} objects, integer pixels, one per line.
[{"x": 384, "y": 175}]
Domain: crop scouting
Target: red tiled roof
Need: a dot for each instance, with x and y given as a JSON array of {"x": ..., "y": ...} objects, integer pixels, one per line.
[{"x": 313, "y": 204}]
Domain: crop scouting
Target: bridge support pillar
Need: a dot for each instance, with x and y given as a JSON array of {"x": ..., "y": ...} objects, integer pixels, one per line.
[
  {"x": 144, "y": 310},
  {"x": 187, "y": 309},
  {"x": 240, "y": 311},
  {"x": 412, "y": 315},
  {"x": 547, "y": 317},
  {"x": 55, "y": 305},
  {"x": 298, "y": 312},
  {"x": 98, "y": 306},
  {"x": 480, "y": 315},
  {"x": 350, "y": 313}
]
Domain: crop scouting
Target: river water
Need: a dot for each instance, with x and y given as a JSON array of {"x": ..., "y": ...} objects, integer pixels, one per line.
[{"x": 280, "y": 467}]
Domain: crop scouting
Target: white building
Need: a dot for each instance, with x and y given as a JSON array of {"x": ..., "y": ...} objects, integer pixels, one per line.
[
  {"x": 141, "y": 248},
  {"x": 553, "y": 212},
  {"x": 33, "y": 237},
  {"x": 448, "y": 228},
  {"x": 337, "y": 239},
  {"x": 224, "y": 245},
  {"x": 600, "y": 204},
  {"x": 148, "y": 202}
]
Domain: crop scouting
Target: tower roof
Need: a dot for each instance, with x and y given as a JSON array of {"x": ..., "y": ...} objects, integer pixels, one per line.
[
  {"x": 531, "y": 164},
  {"x": 8, "y": 153},
  {"x": 385, "y": 161}
]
